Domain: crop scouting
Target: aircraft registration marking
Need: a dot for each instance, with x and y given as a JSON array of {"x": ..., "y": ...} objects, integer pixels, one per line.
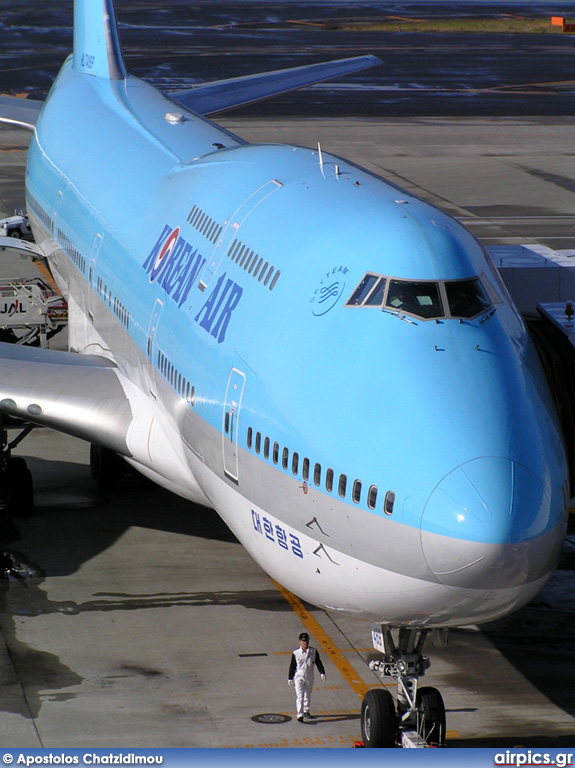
[{"x": 87, "y": 60}]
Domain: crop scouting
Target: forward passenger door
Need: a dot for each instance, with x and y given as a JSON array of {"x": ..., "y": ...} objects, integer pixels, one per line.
[{"x": 231, "y": 423}]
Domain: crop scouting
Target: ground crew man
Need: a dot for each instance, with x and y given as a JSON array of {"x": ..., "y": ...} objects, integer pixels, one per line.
[{"x": 301, "y": 674}]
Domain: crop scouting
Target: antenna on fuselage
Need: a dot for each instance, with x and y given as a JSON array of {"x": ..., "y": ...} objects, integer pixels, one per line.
[{"x": 320, "y": 155}]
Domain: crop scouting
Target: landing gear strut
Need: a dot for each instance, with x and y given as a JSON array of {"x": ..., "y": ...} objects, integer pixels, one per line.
[
  {"x": 16, "y": 487},
  {"x": 105, "y": 467},
  {"x": 420, "y": 717}
]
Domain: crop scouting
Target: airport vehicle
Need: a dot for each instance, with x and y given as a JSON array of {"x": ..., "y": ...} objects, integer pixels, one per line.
[
  {"x": 16, "y": 226},
  {"x": 31, "y": 311},
  {"x": 332, "y": 364}
]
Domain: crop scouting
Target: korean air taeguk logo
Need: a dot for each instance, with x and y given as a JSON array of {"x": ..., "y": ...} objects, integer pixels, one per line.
[{"x": 164, "y": 254}]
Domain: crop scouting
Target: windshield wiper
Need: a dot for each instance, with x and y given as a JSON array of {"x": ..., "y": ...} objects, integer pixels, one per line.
[
  {"x": 396, "y": 313},
  {"x": 489, "y": 314}
]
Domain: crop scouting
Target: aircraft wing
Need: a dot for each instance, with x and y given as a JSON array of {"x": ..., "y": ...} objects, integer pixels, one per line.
[
  {"x": 25, "y": 248},
  {"x": 81, "y": 395},
  {"x": 208, "y": 98},
  {"x": 22, "y": 112},
  {"x": 220, "y": 95}
]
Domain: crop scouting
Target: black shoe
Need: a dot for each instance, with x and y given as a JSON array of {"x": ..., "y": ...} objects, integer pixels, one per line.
[
  {"x": 300, "y": 719},
  {"x": 308, "y": 714}
]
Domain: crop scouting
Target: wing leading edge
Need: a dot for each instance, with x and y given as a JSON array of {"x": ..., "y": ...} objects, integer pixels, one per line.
[
  {"x": 208, "y": 98},
  {"x": 81, "y": 395},
  {"x": 218, "y": 96}
]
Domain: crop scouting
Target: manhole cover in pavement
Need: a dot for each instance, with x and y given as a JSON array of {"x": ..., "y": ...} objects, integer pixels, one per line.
[{"x": 271, "y": 719}]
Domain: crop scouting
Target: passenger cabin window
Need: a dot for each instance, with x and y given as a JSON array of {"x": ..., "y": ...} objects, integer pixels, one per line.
[
  {"x": 295, "y": 463},
  {"x": 329, "y": 480},
  {"x": 389, "y": 502},
  {"x": 372, "y": 497},
  {"x": 261, "y": 443}
]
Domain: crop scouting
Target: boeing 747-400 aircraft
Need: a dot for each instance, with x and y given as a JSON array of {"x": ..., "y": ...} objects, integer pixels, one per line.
[{"x": 332, "y": 364}]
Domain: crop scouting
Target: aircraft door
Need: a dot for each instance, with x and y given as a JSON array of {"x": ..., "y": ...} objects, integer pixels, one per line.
[
  {"x": 57, "y": 202},
  {"x": 96, "y": 245},
  {"x": 231, "y": 230},
  {"x": 231, "y": 423},
  {"x": 93, "y": 293},
  {"x": 151, "y": 346}
]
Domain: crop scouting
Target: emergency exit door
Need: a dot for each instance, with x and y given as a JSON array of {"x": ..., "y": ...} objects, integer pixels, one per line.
[{"x": 231, "y": 422}]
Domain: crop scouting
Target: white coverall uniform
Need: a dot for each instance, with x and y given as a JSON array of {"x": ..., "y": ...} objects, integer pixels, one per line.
[{"x": 301, "y": 672}]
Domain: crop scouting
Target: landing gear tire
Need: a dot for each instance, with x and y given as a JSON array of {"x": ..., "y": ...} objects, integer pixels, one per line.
[
  {"x": 378, "y": 719},
  {"x": 431, "y": 716},
  {"x": 20, "y": 488},
  {"x": 105, "y": 467}
]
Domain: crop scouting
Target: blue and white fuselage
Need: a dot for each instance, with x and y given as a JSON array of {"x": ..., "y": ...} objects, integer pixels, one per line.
[{"x": 329, "y": 362}]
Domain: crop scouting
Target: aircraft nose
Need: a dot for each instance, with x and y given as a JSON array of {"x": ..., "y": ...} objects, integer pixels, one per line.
[{"x": 477, "y": 517}]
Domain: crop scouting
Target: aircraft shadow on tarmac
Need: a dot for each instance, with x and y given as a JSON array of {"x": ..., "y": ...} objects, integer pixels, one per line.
[{"x": 74, "y": 522}]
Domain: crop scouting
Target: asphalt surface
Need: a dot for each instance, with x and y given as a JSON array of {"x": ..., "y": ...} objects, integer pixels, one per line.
[{"x": 177, "y": 44}]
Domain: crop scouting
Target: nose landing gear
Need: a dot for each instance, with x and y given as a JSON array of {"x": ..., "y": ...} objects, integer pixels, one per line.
[{"x": 420, "y": 717}]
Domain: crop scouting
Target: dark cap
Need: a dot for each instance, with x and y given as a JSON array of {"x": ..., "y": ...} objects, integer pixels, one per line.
[{"x": 304, "y": 636}]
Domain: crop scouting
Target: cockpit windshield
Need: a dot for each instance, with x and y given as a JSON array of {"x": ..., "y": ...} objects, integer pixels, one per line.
[
  {"x": 466, "y": 298},
  {"x": 419, "y": 299},
  {"x": 424, "y": 299}
]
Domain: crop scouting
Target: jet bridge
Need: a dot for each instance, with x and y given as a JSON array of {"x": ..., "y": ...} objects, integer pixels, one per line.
[
  {"x": 553, "y": 333},
  {"x": 541, "y": 282}
]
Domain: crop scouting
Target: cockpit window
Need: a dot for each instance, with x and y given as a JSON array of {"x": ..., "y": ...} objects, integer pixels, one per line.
[
  {"x": 375, "y": 298},
  {"x": 466, "y": 298},
  {"x": 420, "y": 299},
  {"x": 362, "y": 291},
  {"x": 425, "y": 299}
]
